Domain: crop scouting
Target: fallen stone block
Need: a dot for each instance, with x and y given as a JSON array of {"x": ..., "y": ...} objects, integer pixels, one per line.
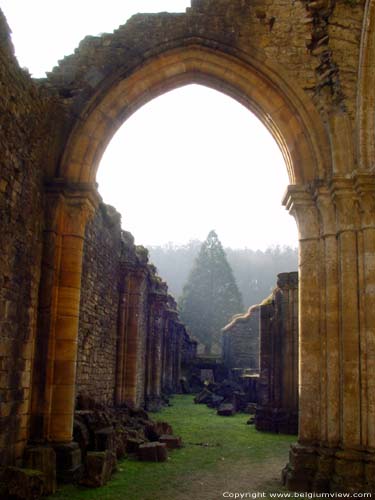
[
  {"x": 99, "y": 466},
  {"x": 172, "y": 442},
  {"x": 23, "y": 484},
  {"x": 251, "y": 408},
  {"x": 163, "y": 428},
  {"x": 226, "y": 410},
  {"x": 215, "y": 401},
  {"x": 203, "y": 397},
  {"x": 153, "y": 452},
  {"x": 133, "y": 444},
  {"x": 104, "y": 439}
]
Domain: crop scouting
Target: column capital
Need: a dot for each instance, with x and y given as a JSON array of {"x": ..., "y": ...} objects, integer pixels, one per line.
[
  {"x": 300, "y": 203},
  {"x": 70, "y": 205},
  {"x": 72, "y": 190}
]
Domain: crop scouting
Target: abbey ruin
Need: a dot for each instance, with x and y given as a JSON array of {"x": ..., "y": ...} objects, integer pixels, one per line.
[{"x": 306, "y": 69}]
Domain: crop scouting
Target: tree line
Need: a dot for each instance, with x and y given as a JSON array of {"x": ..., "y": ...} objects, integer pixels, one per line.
[{"x": 254, "y": 271}]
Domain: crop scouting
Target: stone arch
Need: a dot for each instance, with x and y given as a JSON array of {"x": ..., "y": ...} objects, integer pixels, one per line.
[
  {"x": 97, "y": 113},
  {"x": 263, "y": 88}
]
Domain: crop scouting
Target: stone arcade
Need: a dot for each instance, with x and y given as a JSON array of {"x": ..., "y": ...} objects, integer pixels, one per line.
[{"x": 306, "y": 69}]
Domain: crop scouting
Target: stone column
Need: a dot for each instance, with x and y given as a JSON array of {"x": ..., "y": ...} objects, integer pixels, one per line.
[
  {"x": 330, "y": 341},
  {"x": 365, "y": 187},
  {"x": 68, "y": 208},
  {"x": 288, "y": 283},
  {"x": 347, "y": 225},
  {"x": 132, "y": 362},
  {"x": 303, "y": 459},
  {"x": 153, "y": 393},
  {"x": 122, "y": 339}
]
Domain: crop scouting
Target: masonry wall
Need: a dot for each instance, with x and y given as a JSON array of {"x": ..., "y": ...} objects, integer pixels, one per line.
[
  {"x": 241, "y": 341},
  {"x": 97, "y": 341},
  {"x": 277, "y": 408},
  {"x": 127, "y": 319},
  {"x": 22, "y": 136}
]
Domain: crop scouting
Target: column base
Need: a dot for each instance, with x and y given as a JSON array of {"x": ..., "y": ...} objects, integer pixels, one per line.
[
  {"x": 43, "y": 458},
  {"x": 319, "y": 469},
  {"x": 68, "y": 462},
  {"x": 153, "y": 403}
]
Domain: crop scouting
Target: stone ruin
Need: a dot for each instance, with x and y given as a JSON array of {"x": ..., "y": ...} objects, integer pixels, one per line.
[
  {"x": 277, "y": 405},
  {"x": 260, "y": 361},
  {"x": 241, "y": 341},
  {"x": 306, "y": 69}
]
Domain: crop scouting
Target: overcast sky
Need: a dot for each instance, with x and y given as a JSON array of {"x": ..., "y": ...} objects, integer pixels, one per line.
[{"x": 187, "y": 162}]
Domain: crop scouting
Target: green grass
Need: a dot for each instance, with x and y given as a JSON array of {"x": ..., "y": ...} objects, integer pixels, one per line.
[{"x": 209, "y": 442}]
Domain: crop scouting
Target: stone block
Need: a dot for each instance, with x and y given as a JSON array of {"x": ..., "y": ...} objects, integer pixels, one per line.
[
  {"x": 42, "y": 458},
  {"x": 104, "y": 439},
  {"x": 226, "y": 410},
  {"x": 163, "y": 428},
  {"x": 153, "y": 452},
  {"x": 203, "y": 397},
  {"x": 99, "y": 466},
  {"x": 133, "y": 444},
  {"x": 23, "y": 484},
  {"x": 172, "y": 442},
  {"x": 68, "y": 462}
]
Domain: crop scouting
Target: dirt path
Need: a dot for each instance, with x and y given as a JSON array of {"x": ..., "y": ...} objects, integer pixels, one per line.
[{"x": 234, "y": 478}]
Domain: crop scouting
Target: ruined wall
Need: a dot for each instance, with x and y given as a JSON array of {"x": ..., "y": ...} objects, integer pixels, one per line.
[
  {"x": 315, "y": 44},
  {"x": 277, "y": 408},
  {"x": 97, "y": 341},
  {"x": 241, "y": 341},
  {"x": 22, "y": 138},
  {"x": 127, "y": 320}
]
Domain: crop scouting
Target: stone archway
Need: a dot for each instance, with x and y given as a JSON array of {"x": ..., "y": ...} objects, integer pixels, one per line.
[{"x": 333, "y": 403}]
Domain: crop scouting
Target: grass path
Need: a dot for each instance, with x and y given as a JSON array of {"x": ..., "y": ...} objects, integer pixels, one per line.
[{"x": 220, "y": 454}]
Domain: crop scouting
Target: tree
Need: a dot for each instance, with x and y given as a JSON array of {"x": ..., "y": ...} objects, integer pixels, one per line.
[{"x": 210, "y": 297}]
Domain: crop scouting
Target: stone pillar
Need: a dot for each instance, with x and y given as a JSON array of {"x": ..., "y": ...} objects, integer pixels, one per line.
[
  {"x": 337, "y": 453},
  {"x": 277, "y": 408},
  {"x": 365, "y": 188},
  {"x": 154, "y": 352},
  {"x": 330, "y": 340},
  {"x": 346, "y": 214},
  {"x": 288, "y": 284},
  {"x": 68, "y": 207},
  {"x": 133, "y": 363},
  {"x": 303, "y": 460},
  {"x": 122, "y": 339}
]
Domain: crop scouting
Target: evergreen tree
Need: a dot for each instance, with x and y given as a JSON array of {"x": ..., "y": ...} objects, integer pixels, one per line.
[{"x": 210, "y": 297}]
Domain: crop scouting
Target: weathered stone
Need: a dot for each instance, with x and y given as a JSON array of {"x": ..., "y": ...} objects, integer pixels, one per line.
[
  {"x": 68, "y": 462},
  {"x": 99, "y": 466},
  {"x": 42, "y": 458},
  {"x": 241, "y": 340},
  {"x": 153, "y": 452},
  {"x": 133, "y": 444},
  {"x": 104, "y": 439},
  {"x": 306, "y": 69},
  {"x": 172, "y": 442},
  {"x": 23, "y": 484},
  {"x": 203, "y": 397},
  {"x": 226, "y": 410},
  {"x": 277, "y": 409},
  {"x": 163, "y": 428}
]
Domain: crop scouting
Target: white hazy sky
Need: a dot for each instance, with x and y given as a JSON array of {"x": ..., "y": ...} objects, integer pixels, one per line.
[{"x": 187, "y": 162}]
